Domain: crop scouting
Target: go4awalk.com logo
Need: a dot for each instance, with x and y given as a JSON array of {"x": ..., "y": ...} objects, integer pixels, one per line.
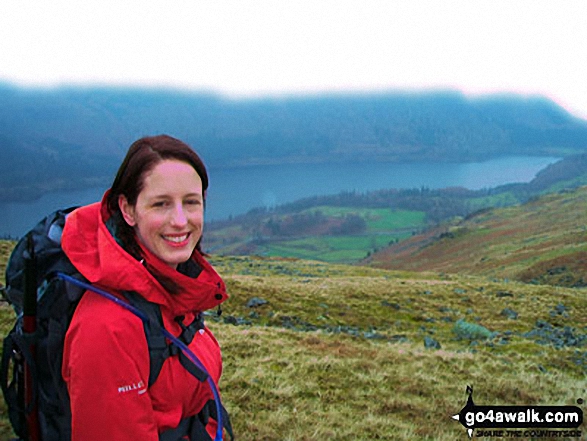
[{"x": 520, "y": 421}]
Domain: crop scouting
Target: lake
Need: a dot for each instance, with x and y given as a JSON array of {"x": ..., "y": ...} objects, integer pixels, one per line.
[{"x": 236, "y": 191}]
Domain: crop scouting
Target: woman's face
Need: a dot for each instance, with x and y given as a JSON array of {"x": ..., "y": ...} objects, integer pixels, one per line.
[{"x": 169, "y": 213}]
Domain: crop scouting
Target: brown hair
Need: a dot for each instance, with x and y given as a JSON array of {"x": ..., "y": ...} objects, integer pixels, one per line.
[{"x": 142, "y": 157}]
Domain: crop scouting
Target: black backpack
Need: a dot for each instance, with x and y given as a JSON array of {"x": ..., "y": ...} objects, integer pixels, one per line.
[{"x": 44, "y": 289}]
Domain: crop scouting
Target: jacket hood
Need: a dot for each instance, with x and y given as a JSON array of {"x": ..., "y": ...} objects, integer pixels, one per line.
[{"x": 96, "y": 254}]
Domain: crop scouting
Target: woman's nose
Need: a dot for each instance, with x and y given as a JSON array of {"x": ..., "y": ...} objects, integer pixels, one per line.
[{"x": 178, "y": 216}]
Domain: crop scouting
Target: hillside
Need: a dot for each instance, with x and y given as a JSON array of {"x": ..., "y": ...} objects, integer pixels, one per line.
[
  {"x": 70, "y": 138},
  {"x": 541, "y": 241},
  {"x": 347, "y": 227},
  {"x": 318, "y": 351}
]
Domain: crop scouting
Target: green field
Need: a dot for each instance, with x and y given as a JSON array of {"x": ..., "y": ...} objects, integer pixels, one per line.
[
  {"x": 378, "y": 219},
  {"x": 336, "y": 249},
  {"x": 383, "y": 227}
]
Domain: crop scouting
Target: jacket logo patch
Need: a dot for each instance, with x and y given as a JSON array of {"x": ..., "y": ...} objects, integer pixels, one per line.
[{"x": 140, "y": 387}]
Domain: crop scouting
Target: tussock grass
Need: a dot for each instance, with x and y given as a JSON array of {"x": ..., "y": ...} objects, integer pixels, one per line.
[
  {"x": 337, "y": 352},
  {"x": 287, "y": 385},
  {"x": 353, "y": 387}
]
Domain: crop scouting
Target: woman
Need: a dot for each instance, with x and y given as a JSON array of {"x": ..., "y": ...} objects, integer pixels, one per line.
[{"x": 144, "y": 238}]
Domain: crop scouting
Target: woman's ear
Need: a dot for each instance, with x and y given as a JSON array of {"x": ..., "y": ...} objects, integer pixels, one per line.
[{"x": 127, "y": 210}]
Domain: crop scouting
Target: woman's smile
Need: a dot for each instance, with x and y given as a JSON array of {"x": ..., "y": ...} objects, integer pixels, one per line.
[{"x": 177, "y": 240}]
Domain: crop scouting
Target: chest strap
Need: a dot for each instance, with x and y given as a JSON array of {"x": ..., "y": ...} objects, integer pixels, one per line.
[{"x": 194, "y": 427}]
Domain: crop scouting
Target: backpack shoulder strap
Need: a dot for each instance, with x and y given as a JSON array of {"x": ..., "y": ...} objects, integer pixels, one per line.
[
  {"x": 159, "y": 347},
  {"x": 160, "y": 350}
]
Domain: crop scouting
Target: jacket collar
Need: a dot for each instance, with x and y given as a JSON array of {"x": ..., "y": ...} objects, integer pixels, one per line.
[{"x": 95, "y": 252}]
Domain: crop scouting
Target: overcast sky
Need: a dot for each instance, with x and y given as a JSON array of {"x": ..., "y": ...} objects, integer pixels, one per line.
[{"x": 250, "y": 47}]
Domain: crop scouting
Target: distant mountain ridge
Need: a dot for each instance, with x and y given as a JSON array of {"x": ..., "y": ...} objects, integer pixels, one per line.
[{"x": 74, "y": 137}]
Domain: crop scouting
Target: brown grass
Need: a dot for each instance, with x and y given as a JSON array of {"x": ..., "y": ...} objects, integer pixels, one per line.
[
  {"x": 283, "y": 381},
  {"x": 523, "y": 242}
]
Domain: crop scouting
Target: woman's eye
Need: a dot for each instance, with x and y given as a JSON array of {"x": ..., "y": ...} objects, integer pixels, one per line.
[
  {"x": 193, "y": 202},
  {"x": 159, "y": 204}
]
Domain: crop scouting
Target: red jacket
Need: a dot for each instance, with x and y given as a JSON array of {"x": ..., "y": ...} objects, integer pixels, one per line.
[{"x": 106, "y": 359}]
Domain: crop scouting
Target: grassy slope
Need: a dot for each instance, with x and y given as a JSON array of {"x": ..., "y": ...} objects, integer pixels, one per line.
[
  {"x": 542, "y": 241},
  {"x": 337, "y": 351},
  {"x": 383, "y": 226}
]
